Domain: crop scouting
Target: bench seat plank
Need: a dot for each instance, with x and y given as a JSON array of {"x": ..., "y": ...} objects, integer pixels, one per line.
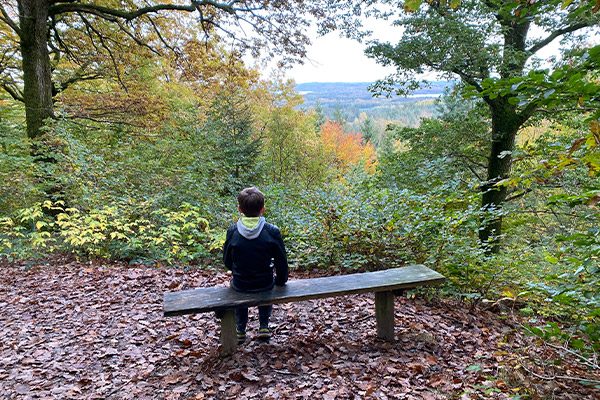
[{"x": 222, "y": 298}]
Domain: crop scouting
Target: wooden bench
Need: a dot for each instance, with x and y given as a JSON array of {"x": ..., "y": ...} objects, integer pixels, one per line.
[{"x": 383, "y": 283}]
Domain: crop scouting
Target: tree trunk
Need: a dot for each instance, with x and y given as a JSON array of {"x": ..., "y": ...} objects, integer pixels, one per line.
[
  {"x": 37, "y": 92},
  {"x": 37, "y": 75},
  {"x": 505, "y": 124}
]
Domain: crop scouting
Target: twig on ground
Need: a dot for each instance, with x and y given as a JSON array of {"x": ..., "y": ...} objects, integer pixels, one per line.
[
  {"x": 551, "y": 378},
  {"x": 285, "y": 372},
  {"x": 280, "y": 327},
  {"x": 585, "y": 360}
]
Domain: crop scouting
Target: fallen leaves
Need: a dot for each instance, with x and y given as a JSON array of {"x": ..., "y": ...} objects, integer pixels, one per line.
[{"x": 97, "y": 331}]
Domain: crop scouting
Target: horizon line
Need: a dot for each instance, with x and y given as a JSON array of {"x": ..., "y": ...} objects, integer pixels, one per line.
[{"x": 356, "y": 82}]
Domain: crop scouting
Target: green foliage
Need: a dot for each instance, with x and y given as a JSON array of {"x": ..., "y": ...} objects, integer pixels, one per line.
[
  {"x": 574, "y": 83},
  {"x": 119, "y": 231},
  {"x": 360, "y": 225},
  {"x": 447, "y": 151},
  {"x": 231, "y": 140},
  {"x": 17, "y": 185},
  {"x": 569, "y": 289},
  {"x": 291, "y": 150}
]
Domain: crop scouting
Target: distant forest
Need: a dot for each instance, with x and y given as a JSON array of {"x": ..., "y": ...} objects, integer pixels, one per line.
[{"x": 354, "y": 106}]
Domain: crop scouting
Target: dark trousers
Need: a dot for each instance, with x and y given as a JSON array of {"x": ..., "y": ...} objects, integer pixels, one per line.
[{"x": 241, "y": 317}]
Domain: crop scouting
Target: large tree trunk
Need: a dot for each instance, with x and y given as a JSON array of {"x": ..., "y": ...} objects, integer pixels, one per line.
[
  {"x": 37, "y": 92},
  {"x": 37, "y": 76},
  {"x": 505, "y": 124}
]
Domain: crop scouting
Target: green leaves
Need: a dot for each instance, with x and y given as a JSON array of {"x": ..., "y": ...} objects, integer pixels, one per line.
[{"x": 412, "y": 5}]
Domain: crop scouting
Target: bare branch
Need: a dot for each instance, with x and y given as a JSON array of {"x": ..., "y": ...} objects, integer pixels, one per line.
[
  {"x": 60, "y": 42},
  {"x": 102, "y": 39},
  {"x": 137, "y": 40},
  {"x": 517, "y": 195},
  {"x": 546, "y": 41},
  {"x": 79, "y": 76},
  {"x": 160, "y": 36},
  {"x": 9, "y": 21},
  {"x": 468, "y": 79},
  {"x": 479, "y": 177},
  {"x": 111, "y": 13}
]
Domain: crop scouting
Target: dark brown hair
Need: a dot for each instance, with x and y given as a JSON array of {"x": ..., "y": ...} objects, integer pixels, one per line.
[{"x": 251, "y": 201}]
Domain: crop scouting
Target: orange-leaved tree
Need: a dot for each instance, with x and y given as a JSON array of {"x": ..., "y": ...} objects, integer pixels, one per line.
[{"x": 347, "y": 149}]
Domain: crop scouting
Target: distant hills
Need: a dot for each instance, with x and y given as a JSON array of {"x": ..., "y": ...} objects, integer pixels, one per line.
[{"x": 355, "y": 95}]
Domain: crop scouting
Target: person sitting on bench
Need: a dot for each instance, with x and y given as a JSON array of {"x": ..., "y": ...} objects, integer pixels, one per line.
[{"x": 253, "y": 249}]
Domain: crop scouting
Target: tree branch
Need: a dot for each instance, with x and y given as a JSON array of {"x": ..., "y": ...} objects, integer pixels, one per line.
[
  {"x": 61, "y": 43},
  {"x": 78, "y": 77},
  {"x": 6, "y": 18},
  {"x": 544, "y": 42},
  {"x": 518, "y": 195},
  {"x": 137, "y": 40},
  {"x": 13, "y": 91},
  {"x": 468, "y": 79},
  {"x": 102, "y": 38},
  {"x": 112, "y": 14},
  {"x": 479, "y": 178},
  {"x": 160, "y": 36}
]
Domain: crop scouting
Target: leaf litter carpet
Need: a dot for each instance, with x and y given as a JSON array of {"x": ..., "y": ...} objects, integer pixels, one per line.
[{"x": 74, "y": 330}]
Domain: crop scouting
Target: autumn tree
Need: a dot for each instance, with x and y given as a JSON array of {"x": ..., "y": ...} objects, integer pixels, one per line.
[
  {"x": 484, "y": 43},
  {"x": 347, "y": 148},
  {"x": 292, "y": 151},
  {"x": 41, "y": 31}
]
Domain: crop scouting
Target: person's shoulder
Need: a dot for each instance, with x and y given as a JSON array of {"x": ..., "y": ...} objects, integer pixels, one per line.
[
  {"x": 272, "y": 229},
  {"x": 231, "y": 229}
]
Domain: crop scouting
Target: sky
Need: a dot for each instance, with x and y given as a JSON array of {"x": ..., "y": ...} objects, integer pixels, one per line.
[
  {"x": 332, "y": 58},
  {"x": 335, "y": 59}
]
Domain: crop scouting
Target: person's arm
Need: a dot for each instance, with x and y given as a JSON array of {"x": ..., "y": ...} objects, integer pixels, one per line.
[
  {"x": 280, "y": 259},
  {"x": 227, "y": 258}
]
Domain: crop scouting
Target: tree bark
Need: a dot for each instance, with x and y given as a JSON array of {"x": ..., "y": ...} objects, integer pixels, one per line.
[
  {"x": 505, "y": 125},
  {"x": 37, "y": 75},
  {"x": 37, "y": 92}
]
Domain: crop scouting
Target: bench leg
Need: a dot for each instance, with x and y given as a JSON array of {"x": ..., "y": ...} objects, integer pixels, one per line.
[
  {"x": 384, "y": 313},
  {"x": 228, "y": 335}
]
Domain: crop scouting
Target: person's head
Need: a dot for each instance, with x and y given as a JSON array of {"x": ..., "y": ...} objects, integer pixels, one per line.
[{"x": 251, "y": 202}]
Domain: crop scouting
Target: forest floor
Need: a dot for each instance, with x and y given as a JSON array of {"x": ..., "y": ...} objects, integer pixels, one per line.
[{"x": 96, "y": 331}]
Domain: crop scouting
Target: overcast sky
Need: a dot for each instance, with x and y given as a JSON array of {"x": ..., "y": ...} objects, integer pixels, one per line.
[
  {"x": 332, "y": 58},
  {"x": 335, "y": 59}
]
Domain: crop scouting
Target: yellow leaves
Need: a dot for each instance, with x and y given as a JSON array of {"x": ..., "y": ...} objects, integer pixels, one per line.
[
  {"x": 118, "y": 235},
  {"x": 6, "y": 222},
  {"x": 39, "y": 239},
  {"x": 594, "y": 139}
]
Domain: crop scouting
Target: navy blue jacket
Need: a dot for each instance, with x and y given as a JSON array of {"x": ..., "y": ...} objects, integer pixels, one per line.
[{"x": 252, "y": 261}]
